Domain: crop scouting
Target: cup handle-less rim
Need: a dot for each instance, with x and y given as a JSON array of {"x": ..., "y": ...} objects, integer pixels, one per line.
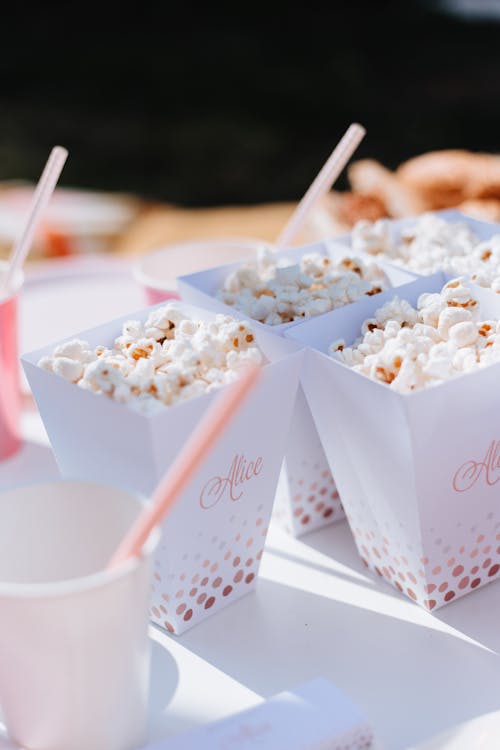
[{"x": 70, "y": 586}]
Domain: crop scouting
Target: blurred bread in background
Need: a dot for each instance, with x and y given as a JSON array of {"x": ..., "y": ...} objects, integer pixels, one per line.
[{"x": 433, "y": 181}]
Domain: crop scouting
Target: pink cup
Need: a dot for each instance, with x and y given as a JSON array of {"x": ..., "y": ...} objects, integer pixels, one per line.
[
  {"x": 157, "y": 271},
  {"x": 10, "y": 393}
]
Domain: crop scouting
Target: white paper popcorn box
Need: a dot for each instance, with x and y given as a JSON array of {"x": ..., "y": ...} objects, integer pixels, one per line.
[
  {"x": 482, "y": 229},
  {"x": 307, "y": 497},
  {"x": 212, "y": 540},
  {"x": 418, "y": 473}
]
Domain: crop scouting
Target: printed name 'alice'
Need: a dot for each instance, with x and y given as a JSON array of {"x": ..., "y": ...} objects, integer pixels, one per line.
[
  {"x": 240, "y": 471},
  {"x": 471, "y": 471}
]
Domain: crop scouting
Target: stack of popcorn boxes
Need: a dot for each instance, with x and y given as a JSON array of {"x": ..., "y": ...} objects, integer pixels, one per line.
[
  {"x": 120, "y": 400},
  {"x": 403, "y": 388},
  {"x": 274, "y": 293}
]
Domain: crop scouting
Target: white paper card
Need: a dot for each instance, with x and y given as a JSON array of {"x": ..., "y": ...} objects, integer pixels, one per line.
[{"x": 314, "y": 716}]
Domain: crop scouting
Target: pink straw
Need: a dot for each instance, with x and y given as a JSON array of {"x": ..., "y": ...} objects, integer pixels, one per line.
[
  {"x": 323, "y": 182},
  {"x": 41, "y": 197},
  {"x": 200, "y": 443}
]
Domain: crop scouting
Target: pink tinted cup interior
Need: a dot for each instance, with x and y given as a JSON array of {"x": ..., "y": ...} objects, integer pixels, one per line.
[
  {"x": 10, "y": 392},
  {"x": 157, "y": 271}
]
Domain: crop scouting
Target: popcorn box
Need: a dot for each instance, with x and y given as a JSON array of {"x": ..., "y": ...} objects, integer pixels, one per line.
[
  {"x": 482, "y": 229},
  {"x": 418, "y": 473},
  {"x": 307, "y": 497},
  {"x": 212, "y": 541}
]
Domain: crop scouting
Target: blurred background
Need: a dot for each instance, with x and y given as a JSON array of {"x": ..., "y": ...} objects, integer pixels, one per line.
[{"x": 203, "y": 107}]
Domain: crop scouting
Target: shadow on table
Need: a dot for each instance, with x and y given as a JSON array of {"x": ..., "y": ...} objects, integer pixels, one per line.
[
  {"x": 165, "y": 720},
  {"x": 477, "y": 616},
  {"x": 33, "y": 463},
  {"x": 164, "y": 678},
  {"x": 336, "y": 542},
  {"x": 411, "y": 678}
]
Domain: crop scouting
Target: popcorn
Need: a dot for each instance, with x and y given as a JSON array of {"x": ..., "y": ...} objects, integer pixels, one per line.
[
  {"x": 409, "y": 348},
  {"x": 76, "y": 350},
  {"x": 67, "y": 368},
  {"x": 372, "y": 237},
  {"x": 274, "y": 292},
  {"x": 433, "y": 244},
  {"x": 167, "y": 360}
]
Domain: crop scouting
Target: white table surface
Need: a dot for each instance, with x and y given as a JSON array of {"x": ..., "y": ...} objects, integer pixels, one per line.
[{"x": 316, "y": 612}]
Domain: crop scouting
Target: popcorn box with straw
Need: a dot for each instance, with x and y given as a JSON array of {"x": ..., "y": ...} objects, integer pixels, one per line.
[
  {"x": 418, "y": 472},
  {"x": 307, "y": 496},
  {"x": 213, "y": 538}
]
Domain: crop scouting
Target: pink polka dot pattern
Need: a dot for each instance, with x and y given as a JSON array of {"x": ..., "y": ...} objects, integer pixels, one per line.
[
  {"x": 444, "y": 572},
  {"x": 221, "y": 569},
  {"x": 309, "y": 500}
]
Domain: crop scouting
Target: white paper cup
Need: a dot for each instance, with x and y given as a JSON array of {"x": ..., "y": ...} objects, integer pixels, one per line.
[
  {"x": 418, "y": 472},
  {"x": 74, "y": 647},
  {"x": 157, "y": 271}
]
